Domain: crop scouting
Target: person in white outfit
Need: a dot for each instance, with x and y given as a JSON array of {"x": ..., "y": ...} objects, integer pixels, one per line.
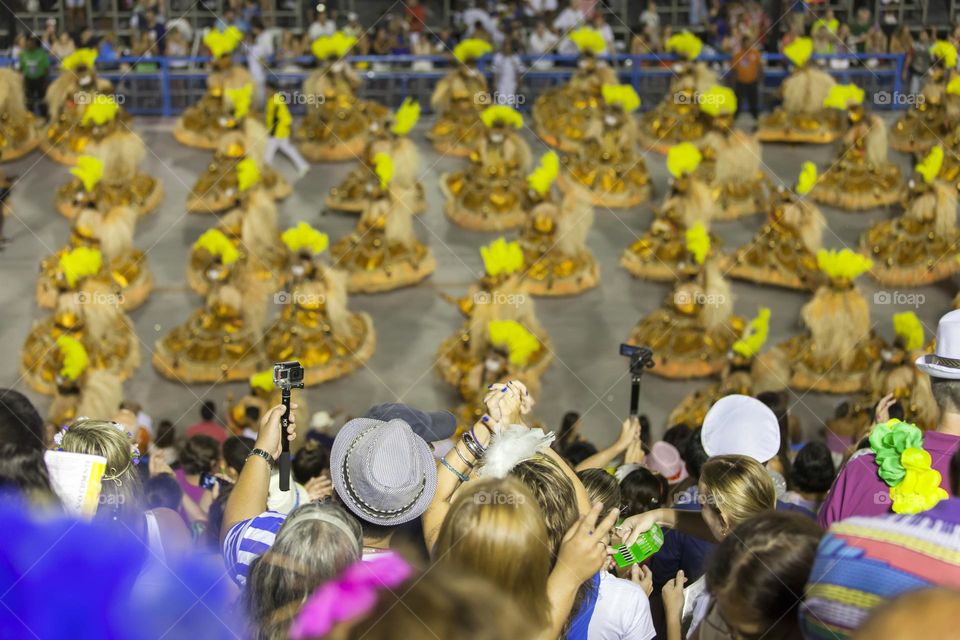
[
  {"x": 259, "y": 51},
  {"x": 507, "y": 68}
]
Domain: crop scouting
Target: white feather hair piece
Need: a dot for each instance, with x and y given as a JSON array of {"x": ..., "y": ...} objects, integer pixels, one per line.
[{"x": 510, "y": 445}]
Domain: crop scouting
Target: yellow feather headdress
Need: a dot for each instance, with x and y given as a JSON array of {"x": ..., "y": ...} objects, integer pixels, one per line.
[
  {"x": 953, "y": 87},
  {"x": 89, "y": 169},
  {"x": 908, "y": 327},
  {"x": 471, "y": 49},
  {"x": 102, "y": 110},
  {"x": 262, "y": 380},
  {"x": 216, "y": 243},
  {"x": 75, "y": 358},
  {"x": 754, "y": 335},
  {"x": 80, "y": 58},
  {"x": 588, "y": 41},
  {"x": 799, "y": 51},
  {"x": 80, "y": 263},
  {"x": 223, "y": 43},
  {"x": 501, "y": 257},
  {"x": 930, "y": 166},
  {"x": 501, "y": 114},
  {"x": 248, "y": 174},
  {"x": 842, "y": 96},
  {"x": 945, "y": 51},
  {"x": 406, "y": 117},
  {"x": 698, "y": 242},
  {"x": 718, "y": 100},
  {"x": 304, "y": 237},
  {"x": 683, "y": 159},
  {"x": 622, "y": 95},
  {"x": 807, "y": 178},
  {"x": 383, "y": 165},
  {"x": 843, "y": 264},
  {"x": 336, "y": 45},
  {"x": 240, "y": 98},
  {"x": 519, "y": 343},
  {"x": 685, "y": 44},
  {"x": 543, "y": 176}
]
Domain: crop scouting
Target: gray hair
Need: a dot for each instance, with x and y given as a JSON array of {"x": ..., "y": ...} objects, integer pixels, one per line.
[
  {"x": 316, "y": 542},
  {"x": 946, "y": 392}
]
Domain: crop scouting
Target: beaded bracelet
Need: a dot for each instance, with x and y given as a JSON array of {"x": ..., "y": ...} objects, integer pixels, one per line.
[{"x": 449, "y": 466}]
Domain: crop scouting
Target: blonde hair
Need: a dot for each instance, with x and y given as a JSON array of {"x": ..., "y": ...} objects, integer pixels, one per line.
[
  {"x": 496, "y": 529},
  {"x": 738, "y": 487}
]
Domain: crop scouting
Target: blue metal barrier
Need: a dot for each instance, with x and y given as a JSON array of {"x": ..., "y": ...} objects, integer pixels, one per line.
[{"x": 165, "y": 86}]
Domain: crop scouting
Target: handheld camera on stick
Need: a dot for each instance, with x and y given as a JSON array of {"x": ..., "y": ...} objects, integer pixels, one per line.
[
  {"x": 286, "y": 376},
  {"x": 641, "y": 359}
]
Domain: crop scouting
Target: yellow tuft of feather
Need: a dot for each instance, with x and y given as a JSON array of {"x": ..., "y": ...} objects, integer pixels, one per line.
[
  {"x": 685, "y": 44},
  {"x": 223, "y": 43},
  {"x": 945, "y": 51},
  {"x": 501, "y": 257},
  {"x": 843, "y": 264},
  {"x": 543, "y": 176},
  {"x": 262, "y": 381},
  {"x": 718, "y": 100},
  {"x": 621, "y": 95},
  {"x": 501, "y": 114},
  {"x": 217, "y": 244},
  {"x": 683, "y": 159},
  {"x": 81, "y": 58},
  {"x": 471, "y": 49},
  {"x": 405, "y": 117},
  {"x": 799, "y": 51},
  {"x": 80, "y": 263},
  {"x": 336, "y": 45},
  {"x": 248, "y": 174},
  {"x": 754, "y": 335},
  {"x": 843, "y": 96},
  {"x": 240, "y": 98},
  {"x": 383, "y": 165},
  {"x": 953, "y": 87},
  {"x": 75, "y": 358},
  {"x": 303, "y": 237},
  {"x": 807, "y": 178},
  {"x": 929, "y": 167},
  {"x": 909, "y": 329},
  {"x": 588, "y": 41},
  {"x": 89, "y": 169},
  {"x": 698, "y": 242},
  {"x": 102, "y": 110},
  {"x": 512, "y": 336}
]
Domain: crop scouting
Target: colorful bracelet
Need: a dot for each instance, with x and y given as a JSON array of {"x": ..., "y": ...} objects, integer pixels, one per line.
[{"x": 449, "y": 466}]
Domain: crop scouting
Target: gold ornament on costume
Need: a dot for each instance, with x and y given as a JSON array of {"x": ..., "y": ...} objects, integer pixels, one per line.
[{"x": 303, "y": 237}]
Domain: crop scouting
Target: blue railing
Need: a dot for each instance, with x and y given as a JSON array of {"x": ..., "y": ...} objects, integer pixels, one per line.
[{"x": 165, "y": 86}]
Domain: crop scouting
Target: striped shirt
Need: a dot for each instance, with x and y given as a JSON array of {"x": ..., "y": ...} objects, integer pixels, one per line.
[{"x": 248, "y": 540}]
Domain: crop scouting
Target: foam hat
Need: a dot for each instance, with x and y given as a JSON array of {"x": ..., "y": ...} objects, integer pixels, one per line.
[
  {"x": 741, "y": 425},
  {"x": 945, "y": 363}
]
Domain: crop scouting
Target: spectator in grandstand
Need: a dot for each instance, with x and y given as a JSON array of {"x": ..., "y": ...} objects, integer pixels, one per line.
[
  {"x": 49, "y": 36},
  {"x": 859, "y": 28},
  {"x": 747, "y": 66},
  {"x": 353, "y": 26},
  {"x": 288, "y": 51},
  {"x": 35, "y": 67},
  {"x": 811, "y": 475},
  {"x": 322, "y": 25},
  {"x": 76, "y": 13},
  {"x": 415, "y": 14},
  {"x": 540, "y": 9},
  {"x": 920, "y": 60},
  {"x": 599, "y": 23},
  {"x": 875, "y": 40},
  {"x": 259, "y": 49},
  {"x": 63, "y": 46},
  {"x": 507, "y": 70},
  {"x": 542, "y": 42},
  {"x": 569, "y": 20}
]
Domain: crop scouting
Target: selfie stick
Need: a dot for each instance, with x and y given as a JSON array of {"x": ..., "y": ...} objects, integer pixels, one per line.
[
  {"x": 285, "y": 441},
  {"x": 640, "y": 360}
]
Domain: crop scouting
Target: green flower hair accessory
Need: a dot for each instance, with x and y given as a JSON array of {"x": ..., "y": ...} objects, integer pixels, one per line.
[
  {"x": 904, "y": 465},
  {"x": 889, "y": 440}
]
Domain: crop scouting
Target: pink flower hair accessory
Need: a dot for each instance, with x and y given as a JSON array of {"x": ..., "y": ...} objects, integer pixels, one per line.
[{"x": 350, "y": 596}]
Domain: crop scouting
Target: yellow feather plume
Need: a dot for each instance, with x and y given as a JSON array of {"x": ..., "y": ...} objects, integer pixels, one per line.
[
  {"x": 406, "y": 117},
  {"x": 685, "y": 44},
  {"x": 240, "y": 98},
  {"x": 336, "y": 45},
  {"x": 216, "y": 243},
  {"x": 501, "y": 114},
  {"x": 622, "y": 95},
  {"x": 519, "y": 343},
  {"x": 843, "y": 264},
  {"x": 304, "y": 237},
  {"x": 262, "y": 380},
  {"x": 89, "y": 169},
  {"x": 698, "y": 242},
  {"x": 248, "y": 174},
  {"x": 842, "y": 96},
  {"x": 75, "y": 358},
  {"x": 830, "y": 25},
  {"x": 501, "y": 257},
  {"x": 930, "y": 166},
  {"x": 953, "y": 87},
  {"x": 907, "y": 326},
  {"x": 945, "y": 51},
  {"x": 102, "y": 110},
  {"x": 383, "y": 165},
  {"x": 754, "y": 335},
  {"x": 799, "y": 51},
  {"x": 80, "y": 58},
  {"x": 471, "y": 49},
  {"x": 80, "y": 263},
  {"x": 718, "y": 100},
  {"x": 683, "y": 159},
  {"x": 588, "y": 41},
  {"x": 807, "y": 178},
  {"x": 222, "y": 43},
  {"x": 543, "y": 176}
]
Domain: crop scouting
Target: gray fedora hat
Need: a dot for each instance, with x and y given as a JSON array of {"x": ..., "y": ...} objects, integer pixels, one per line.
[{"x": 382, "y": 471}]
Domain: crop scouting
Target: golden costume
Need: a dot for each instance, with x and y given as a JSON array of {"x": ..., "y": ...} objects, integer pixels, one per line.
[
  {"x": 691, "y": 333},
  {"x": 108, "y": 176},
  {"x": 554, "y": 238},
  {"x": 937, "y": 109},
  {"x": 337, "y": 122},
  {"x": 383, "y": 252},
  {"x": 607, "y": 162},
  {"x": 922, "y": 245},
  {"x": 354, "y": 193},
  {"x": 216, "y": 188},
  {"x": 123, "y": 267},
  {"x": 894, "y": 372},
  {"x": 802, "y": 117},
  {"x": 315, "y": 327},
  {"x": 839, "y": 345},
  {"x": 562, "y": 114},
  {"x": 501, "y": 335},
  {"x": 784, "y": 252},
  {"x": 204, "y": 124},
  {"x": 731, "y": 159},
  {"x": 861, "y": 177},
  {"x": 661, "y": 252},
  {"x": 81, "y": 391},
  {"x": 19, "y": 133},
  {"x": 251, "y": 228},
  {"x": 81, "y": 109},
  {"x": 489, "y": 194},
  {"x": 677, "y": 119},
  {"x": 88, "y": 310},
  {"x": 458, "y": 99}
]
